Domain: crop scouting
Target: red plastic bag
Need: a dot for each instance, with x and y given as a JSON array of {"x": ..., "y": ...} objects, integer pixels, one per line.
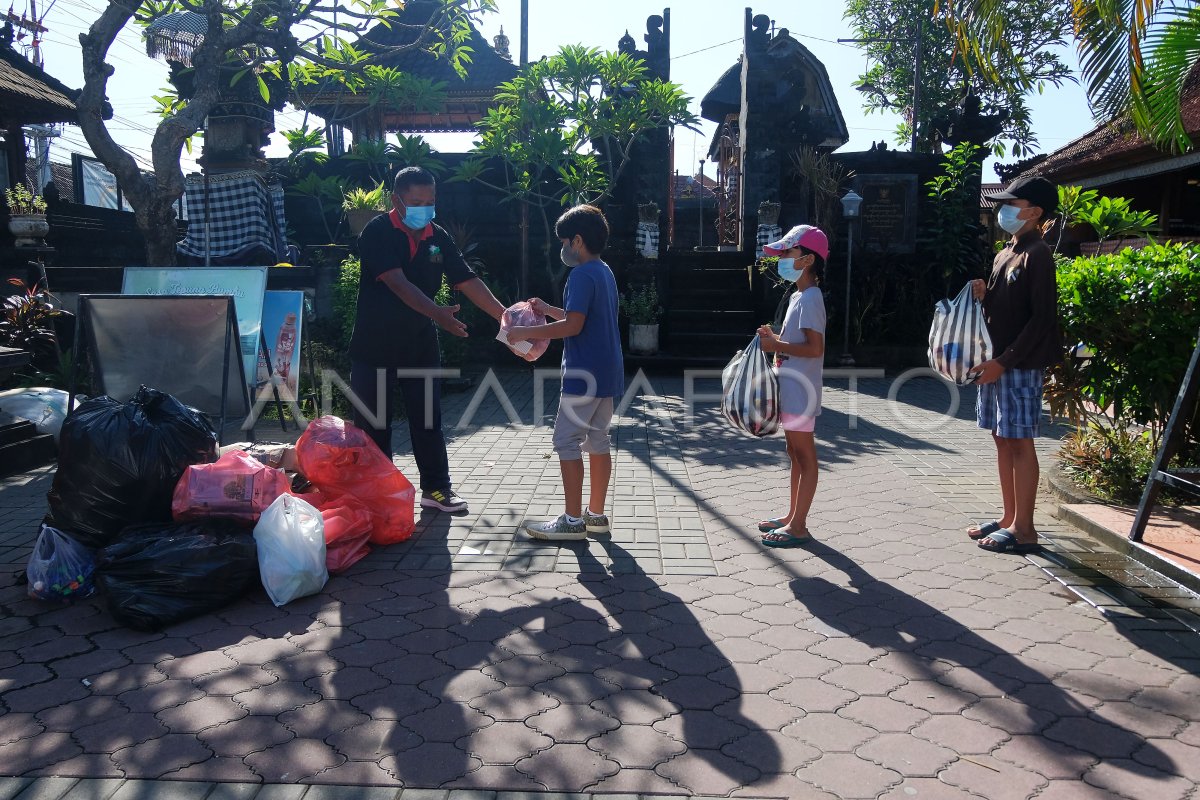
[
  {"x": 341, "y": 460},
  {"x": 347, "y": 531},
  {"x": 235, "y": 487},
  {"x": 522, "y": 314}
]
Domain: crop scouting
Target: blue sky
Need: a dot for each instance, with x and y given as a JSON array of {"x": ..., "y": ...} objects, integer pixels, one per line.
[{"x": 706, "y": 40}]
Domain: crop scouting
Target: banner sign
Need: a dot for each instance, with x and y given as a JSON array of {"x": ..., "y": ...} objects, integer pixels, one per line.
[
  {"x": 282, "y": 317},
  {"x": 246, "y": 285}
]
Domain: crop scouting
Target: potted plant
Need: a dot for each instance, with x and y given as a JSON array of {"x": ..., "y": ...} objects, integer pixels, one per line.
[
  {"x": 363, "y": 205},
  {"x": 640, "y": 305},
  {"x": 27, "y": 216}
]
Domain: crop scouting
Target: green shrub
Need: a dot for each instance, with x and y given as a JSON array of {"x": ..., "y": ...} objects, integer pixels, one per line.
[
  {"x": 1137, "y": 312},
  {"x": 345, "y": 297},
  {"x": 1111, "y": 464},
  {"x": 640, "y": 305}
]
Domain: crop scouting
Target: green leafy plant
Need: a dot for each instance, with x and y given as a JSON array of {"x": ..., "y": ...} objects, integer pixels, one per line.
[
  {"x": 1135, "y": 312},
  {"x": 27, "y": 323},
  {"x": 323, "y": 194},
  {"x": 358, "y": 199},
  {"x": 1028, "y": 60},
  {"x": 304, "y": 149},
  {"x": 954, "y": 225},
  {"x": 563, "y": 132},
  {"x": 824, "y": 178},
  {"x": 641, "y": 306},
  {"x": 1072, "y": 202},
  {"x": 1112, "y": 464},
  {"x": 414, "y": 151},
  {"x": 1112, "y": 218},
  {"x": 22, "y": 202},
  {"x": 345, "y": 297}
]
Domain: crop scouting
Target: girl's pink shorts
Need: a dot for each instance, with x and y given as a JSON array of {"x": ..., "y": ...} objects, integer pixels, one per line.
[{"x": 798, "y": 422}]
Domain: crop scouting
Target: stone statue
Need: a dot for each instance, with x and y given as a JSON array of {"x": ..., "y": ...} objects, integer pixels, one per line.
[
  {"x": 654, "y": 34},
  {"x": 967, "y": 123},
  {"x": 627, "y": 45},
  {"x": 758, "y": 34}
]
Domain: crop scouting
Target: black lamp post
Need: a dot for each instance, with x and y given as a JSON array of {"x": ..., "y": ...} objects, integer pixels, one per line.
[
  {"x": 701, "y": 196},
  {"x": 850, "y": 205}
]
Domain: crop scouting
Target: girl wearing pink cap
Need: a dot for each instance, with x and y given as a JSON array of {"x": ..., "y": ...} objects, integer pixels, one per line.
[{"x": 800, "y": 346}]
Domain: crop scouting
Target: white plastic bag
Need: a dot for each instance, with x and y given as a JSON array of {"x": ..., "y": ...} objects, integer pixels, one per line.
[
  {"x": 45, "y": 408},
  {"x": 958, "y": 339},
  {"x": 750, "y": 392},
  {"x": 290, "y": 536}
]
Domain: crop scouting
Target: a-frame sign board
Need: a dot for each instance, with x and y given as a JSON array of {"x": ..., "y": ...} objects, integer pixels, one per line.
[
  {"x": 185, "y": 345},
  {"x": 1186, "y": 480}
]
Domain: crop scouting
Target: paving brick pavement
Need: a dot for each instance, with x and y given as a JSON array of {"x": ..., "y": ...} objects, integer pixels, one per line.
[{"x": 892, "y": 658}]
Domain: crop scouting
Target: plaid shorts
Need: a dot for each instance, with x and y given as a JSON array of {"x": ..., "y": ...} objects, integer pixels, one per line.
[{"x": 1011, "y": 407}]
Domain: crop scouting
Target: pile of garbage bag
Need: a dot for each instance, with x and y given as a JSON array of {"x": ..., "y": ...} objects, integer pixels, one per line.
[{"x": 144, "y": 511}]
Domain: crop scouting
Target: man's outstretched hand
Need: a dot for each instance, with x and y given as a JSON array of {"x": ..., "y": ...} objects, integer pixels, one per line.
[{"x": 445, "y": 319}]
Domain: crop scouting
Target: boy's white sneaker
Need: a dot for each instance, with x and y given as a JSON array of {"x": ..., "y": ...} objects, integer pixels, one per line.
[
  {"x": 557, "y": 530},
  {"x": 596, "y": 523}
]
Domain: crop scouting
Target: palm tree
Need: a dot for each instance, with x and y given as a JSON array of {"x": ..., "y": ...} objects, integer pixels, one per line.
[{"x": 1135, "y": 55}]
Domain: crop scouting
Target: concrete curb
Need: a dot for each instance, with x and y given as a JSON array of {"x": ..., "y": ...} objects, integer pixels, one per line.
[{"x": 1068, "y": 494}]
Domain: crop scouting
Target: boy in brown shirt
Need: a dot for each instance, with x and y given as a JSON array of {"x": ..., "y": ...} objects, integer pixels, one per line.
[{"x": 1020, "y": 303}]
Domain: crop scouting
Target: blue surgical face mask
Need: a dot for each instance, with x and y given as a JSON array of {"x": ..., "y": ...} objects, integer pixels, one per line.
[
  {"x": 417, "y": 217},
  {"x": 787, "y": 270},
  {"x": 1007, "y": 219}
]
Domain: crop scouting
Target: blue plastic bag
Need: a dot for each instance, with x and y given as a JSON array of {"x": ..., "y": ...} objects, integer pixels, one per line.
[{"x": 59, "y": 568}]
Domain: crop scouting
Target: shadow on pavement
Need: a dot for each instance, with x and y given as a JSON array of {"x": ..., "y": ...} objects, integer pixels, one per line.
[{"x": 1024, "y": 700}]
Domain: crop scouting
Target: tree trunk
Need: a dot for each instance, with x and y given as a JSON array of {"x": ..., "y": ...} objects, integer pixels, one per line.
[
  {"x": 156, "y": 221},
  {"x": 151, "y": 197}
]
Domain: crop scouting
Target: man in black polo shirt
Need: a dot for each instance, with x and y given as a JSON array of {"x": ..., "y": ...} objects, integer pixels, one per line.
[{"x": 404, "y": 256}]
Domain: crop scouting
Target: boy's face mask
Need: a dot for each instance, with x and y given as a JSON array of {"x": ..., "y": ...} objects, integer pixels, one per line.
[
  {"x": 568, "y": 255},
  {"x": 1008, "y": 218}
]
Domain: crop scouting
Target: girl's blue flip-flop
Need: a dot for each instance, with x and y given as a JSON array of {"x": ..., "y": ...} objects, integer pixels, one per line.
[
  {"x": 768, "y": 525},
  {"x": 785, "y": 539}
]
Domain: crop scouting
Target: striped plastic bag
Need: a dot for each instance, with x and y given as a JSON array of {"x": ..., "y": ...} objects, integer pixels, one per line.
[
  {"x": 750, "y": 392},
  {"x": 958, "y": 339}
]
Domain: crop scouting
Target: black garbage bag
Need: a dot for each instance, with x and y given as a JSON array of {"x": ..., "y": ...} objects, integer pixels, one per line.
[
  {"x": 156, "y": 575},
  {"x": 118, "y": 463}
]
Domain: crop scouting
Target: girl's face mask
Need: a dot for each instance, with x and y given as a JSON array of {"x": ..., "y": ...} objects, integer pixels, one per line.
[{"x": 787, "y": 270}]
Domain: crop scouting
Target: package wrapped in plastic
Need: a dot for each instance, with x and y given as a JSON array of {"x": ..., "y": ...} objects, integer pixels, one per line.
[
  {"x": 522, "y": 315},
  {"x": 156, "y": 575},
  {"x": 750, "y": 392},
  {"x": 236, "y": 486},
  {"x": 340, "y": 460},
  {"x": 290, "y": 536},
  {"x": 59, "y": 567},
  {"x": 958, "y": 339},
  {"x": 118, "y": 463}
]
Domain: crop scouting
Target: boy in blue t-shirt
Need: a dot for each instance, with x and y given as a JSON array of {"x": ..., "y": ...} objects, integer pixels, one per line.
[{"x": 593, "y": 373}]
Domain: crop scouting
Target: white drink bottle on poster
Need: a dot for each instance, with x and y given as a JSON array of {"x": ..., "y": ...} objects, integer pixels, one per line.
[
  {"x": 285, "y": 346},
  {"x": 263, "y": 376}
]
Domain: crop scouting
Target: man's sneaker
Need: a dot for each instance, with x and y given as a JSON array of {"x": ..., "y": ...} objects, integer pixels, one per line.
[
  {"x": 443, "y": 501},
  {"x": 596, "y": 523},
  {"x": 557, "y": 530}
]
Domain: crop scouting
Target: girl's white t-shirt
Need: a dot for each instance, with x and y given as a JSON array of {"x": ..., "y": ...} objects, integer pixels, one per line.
[{"x": 800, "y": 378}]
